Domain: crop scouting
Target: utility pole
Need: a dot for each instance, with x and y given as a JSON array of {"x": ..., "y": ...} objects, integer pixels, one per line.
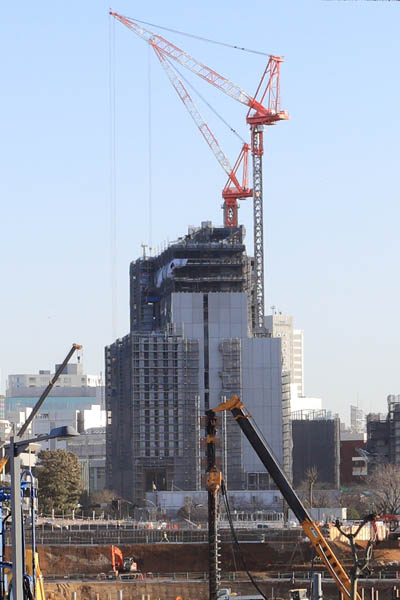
[
  {"x": 18, "y": 445},
  {"x": 16, "y": 525}
]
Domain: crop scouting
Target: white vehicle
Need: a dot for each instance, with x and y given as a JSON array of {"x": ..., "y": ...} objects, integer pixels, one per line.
[{"x": 227, "y": 594}]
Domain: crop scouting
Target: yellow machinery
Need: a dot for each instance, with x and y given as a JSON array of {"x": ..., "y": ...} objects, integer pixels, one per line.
[{"x": 310, "y": 528}]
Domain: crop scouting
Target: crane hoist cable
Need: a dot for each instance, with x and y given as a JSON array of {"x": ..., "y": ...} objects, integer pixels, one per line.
[
  {"x": 210, "y": 106},
  {"x": 236, "y": 541},
  {"x": 263, "y": 110},
  {"x": 201, "y": 38},
  {"x": 112, "y": 180}
]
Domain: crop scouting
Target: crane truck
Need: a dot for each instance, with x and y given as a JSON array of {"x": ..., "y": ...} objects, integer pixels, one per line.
[{"x": 310, "y": 528}]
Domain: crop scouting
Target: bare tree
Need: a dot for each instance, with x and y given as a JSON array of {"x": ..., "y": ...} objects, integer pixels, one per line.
[
  {"x": 311, "y": 477},
  {"x": 384, "y": 486}
]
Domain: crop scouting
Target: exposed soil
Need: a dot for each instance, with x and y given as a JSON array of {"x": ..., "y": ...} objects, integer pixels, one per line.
[
  {"x": 164, "y": 558},
  {"x": 180, "y": 558}
]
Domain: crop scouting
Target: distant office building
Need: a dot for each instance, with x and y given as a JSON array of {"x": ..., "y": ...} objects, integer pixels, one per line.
[
  {"x": 90, "y": 447},
  {"x": 292, "y": 344},
  {"x": 383, "y": 435},
  {"x": 316, "y": 443},
  {"x": 191, "y": 346},
  {"x": 2, "y": 406},
  {"x": 73, "y": 391},
  {"x": 357, "y": 419}
]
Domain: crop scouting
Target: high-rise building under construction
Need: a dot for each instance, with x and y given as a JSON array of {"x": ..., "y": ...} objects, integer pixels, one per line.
[{"x": 190, "y": 346}]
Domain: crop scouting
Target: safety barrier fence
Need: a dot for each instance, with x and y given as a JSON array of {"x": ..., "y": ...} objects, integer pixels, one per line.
[
  {"x": 145, "y": 536},
  {"x": 203, "y": 576}
]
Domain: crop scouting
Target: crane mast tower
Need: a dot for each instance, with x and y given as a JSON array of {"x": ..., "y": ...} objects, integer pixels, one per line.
[{"x": 264, "y": 110}]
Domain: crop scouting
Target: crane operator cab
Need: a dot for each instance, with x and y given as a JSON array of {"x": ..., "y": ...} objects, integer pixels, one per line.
[{"x": 299, "y": 594}]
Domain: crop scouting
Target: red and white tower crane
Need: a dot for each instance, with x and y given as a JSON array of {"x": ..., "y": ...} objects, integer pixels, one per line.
[{"x": 264, "y": 109}]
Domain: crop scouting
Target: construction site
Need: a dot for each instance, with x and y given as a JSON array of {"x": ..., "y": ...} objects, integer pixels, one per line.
[{"x": 197, "y": 401}]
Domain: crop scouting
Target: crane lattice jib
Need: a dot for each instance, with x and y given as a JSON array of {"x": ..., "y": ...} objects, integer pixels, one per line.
[
  {"x": 196, "y": 116},
  {"x": 191, "y": 63}
]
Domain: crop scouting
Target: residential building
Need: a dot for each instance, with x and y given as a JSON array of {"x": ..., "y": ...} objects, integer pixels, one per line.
[
  {"x": 357, "y": 419},
  {"x": 90, "y": 447},
  {"x": 77, "y": 399},
  {"x": 80, "y": 420},
  {"x": 191, "y": 345},
  {"x": 292, "y": 344},
  {"x": 298, "y": 360}
]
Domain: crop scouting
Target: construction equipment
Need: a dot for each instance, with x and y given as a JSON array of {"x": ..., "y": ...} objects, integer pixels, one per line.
[
  {"x": 392, "y": 521},
  {"x": 214, "y": 482},
  {"x": 165, "y": 50},
  {"x": 264, "y": 110},
  {"x": 298, "y": 594},
  {"x": 227, "y": 594},
  {"x": 33, "y": 579},
  {"x": 48, "y": 389},
  {"x": 24, "y": 567},
  {"x": 120, "y": 564},
  {"x": 310, "y": 528}
]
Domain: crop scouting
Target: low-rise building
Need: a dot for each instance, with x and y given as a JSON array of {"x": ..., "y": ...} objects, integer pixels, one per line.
[{"x": 90, "y": 447}]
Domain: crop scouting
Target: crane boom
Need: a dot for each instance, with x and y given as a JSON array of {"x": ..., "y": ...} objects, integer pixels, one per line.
[
  {"x": 191, "y": 63},
  {"x": 310, "y": 528},
  {"x": 232, "y": 190},
  {"x": 196, "y": 115},
  {"x": 264, "y": 109}
]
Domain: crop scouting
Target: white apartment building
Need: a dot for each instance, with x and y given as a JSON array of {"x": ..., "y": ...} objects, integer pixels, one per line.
[
  {"x": 298, "y": 360},
  {"x": 80, "y": 420},
  {"x": 292, "y": 347},
  {"x": 31, "y": 384}
]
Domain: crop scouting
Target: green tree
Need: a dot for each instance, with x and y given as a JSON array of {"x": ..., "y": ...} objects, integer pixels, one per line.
[{"x": 59, "y": 480}]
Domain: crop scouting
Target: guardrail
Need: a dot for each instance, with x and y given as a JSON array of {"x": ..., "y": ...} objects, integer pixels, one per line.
[
  {"x": 89, "y": 534},
  {"x": 146, "y": 536},
  {"x": 203, "y": 576}
]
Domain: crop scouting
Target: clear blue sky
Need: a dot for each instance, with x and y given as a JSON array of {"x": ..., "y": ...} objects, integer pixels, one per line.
[{"x": 331, "y": 175}]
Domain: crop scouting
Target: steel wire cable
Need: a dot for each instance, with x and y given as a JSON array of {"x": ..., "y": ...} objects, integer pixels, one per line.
[
  {"x": 236, "y": 541},
  {"x": 210, "y": 106},
  {"x": 201, "y": 38}
]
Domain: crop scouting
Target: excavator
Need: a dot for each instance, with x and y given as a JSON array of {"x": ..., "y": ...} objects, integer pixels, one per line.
[
  {"x": 311, "y": 529},
  {"x": 123, "y": 565}
]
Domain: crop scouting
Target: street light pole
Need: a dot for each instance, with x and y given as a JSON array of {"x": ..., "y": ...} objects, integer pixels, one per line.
[
  {"x": 15, "y": 447},
  {"x": 16, "y": 527}
]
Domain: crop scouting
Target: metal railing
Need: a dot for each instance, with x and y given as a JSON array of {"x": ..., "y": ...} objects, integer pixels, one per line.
[{"x": 90, "y": 535}]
